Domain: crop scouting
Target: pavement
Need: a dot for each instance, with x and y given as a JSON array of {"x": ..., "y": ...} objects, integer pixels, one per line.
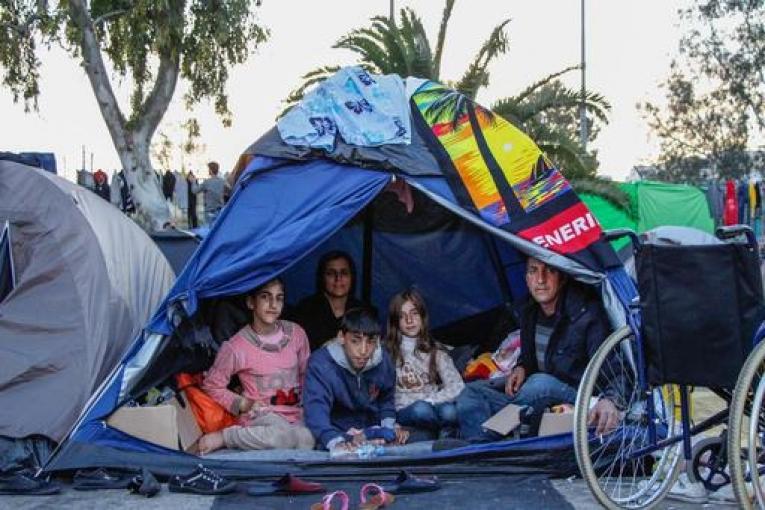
[{"x": 483, "y": 493}]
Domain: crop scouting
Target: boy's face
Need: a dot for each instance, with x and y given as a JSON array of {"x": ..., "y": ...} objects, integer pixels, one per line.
[{"x": 358, "y": 348}]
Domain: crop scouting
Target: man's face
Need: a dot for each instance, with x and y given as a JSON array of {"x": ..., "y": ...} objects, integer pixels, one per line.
[
  {"x": 544, "y": 282},
  {"x": 358, "y": 348},
  {"x": 337, "y": 278}
]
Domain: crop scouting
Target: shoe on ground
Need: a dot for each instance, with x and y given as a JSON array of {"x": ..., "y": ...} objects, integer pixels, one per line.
[
  {"x": 100, "y": 478},
  {"x": 686, "y": 490},
  {"x": 145, "y": 484},
  {"x": 201, "y": 481},
  {"x": 25, "y": 483}
]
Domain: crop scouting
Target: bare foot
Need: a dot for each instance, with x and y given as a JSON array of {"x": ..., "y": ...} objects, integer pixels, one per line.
[{"x": 210, "y": 442}]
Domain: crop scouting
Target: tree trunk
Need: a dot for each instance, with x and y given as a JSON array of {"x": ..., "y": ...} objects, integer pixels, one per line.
[
  {"x": 132, "y": 146},
  {"x": 152, "y": 211}
]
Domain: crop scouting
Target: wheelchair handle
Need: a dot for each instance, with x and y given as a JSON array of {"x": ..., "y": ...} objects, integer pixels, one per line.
[
  {"x": 732, "y": 231},
  {"x": 618, "y": 233}
]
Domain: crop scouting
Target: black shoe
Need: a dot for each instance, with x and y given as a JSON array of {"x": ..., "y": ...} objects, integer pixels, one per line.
[
  {"x": 25, "y": 483},
  {"x": 100, "y": 479},
  {"x": 201, "y": 481},
  {"x": 144, "y": 484}
]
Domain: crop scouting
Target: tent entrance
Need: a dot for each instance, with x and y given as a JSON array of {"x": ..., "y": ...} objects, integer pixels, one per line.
[{"x": 468, "y": 278}]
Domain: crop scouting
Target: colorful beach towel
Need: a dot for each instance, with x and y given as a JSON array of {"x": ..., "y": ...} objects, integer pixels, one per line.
[{"x": 497, "y": 171}]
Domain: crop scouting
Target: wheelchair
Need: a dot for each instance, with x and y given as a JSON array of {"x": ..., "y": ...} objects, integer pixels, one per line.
[{"x": 700, "y": 308}]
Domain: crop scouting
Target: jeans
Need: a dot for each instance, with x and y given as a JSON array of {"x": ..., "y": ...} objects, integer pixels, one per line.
[
  {"x": 482, "y": 399},
  {"x": 210, "y": 216},
  {"x": 424, "y": 415}
]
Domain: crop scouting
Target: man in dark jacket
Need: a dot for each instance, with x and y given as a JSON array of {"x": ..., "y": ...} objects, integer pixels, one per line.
[
  {"x": 348, "y": 394},
  {"x": 561, "y": 328}
]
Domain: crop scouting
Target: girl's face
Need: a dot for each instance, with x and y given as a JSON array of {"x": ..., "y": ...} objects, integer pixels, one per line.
[
  {"x": 410, "y": 320},
  {"x": 267, "y": 304}
]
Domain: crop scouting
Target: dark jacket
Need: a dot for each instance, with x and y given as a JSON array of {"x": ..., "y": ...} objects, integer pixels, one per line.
[
  {"x": 580, "y": 327},
  {"x": 315, "y": 315},
  {"x": 336, "y": 398}
]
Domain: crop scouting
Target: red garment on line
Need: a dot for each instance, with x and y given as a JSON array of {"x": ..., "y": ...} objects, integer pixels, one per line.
[{"x": 730, "y": 212}]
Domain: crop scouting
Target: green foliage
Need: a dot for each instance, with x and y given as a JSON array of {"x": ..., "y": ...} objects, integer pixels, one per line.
[
  {"x": 549, "y": 113},
  {"x": 202, "y": 37},
  {"x": 403, "y": 48},
  {"x": 715, "y": 94},
  {"x": 23, "y": 26},
  {"x": 606, "y": 189}
]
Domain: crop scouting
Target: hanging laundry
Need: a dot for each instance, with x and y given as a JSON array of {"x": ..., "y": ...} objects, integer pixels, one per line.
[
  {"x": 364, "y": 109},
  {"x": 731, "y": 203}
]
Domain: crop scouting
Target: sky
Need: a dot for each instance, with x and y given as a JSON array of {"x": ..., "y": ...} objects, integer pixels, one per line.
[{"x": 629, "y": 46}]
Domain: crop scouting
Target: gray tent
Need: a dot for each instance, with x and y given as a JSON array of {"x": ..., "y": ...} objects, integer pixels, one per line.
[{"x": 86, "y": 281}]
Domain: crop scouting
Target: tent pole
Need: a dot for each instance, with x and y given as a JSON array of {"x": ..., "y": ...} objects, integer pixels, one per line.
[
  {"x": 366, "y": 266},
  {"x": 504, "y": 284}
]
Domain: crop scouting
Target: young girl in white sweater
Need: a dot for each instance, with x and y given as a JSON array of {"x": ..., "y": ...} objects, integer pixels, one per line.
[{"x": 427, "y": 383}]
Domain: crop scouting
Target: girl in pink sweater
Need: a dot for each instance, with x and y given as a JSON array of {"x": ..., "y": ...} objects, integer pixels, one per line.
[
  {"x": 269, "y": 356},
  {"x": 427, "y": 383}
]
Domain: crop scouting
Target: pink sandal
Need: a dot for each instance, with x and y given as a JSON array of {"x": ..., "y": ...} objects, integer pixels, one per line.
[
  {"x": 379, "y": 499},
  {"x": 326, "y": 501}
]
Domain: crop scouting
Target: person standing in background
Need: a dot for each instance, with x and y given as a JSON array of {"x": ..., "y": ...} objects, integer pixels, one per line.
[
  {"x": 192, "y": 202},
  {"x": 101, "y": 185},
  {"x": 212, "y": 188}
]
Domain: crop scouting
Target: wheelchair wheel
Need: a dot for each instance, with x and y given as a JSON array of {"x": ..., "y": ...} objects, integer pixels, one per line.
[
  {"x": 617, "y": 477},
  {"x": 709, "y": 463},
  {"x": 746, "y": 427}
]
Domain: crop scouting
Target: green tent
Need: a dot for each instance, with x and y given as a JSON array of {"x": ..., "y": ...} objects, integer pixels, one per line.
[{"x": 654, "y": 204}]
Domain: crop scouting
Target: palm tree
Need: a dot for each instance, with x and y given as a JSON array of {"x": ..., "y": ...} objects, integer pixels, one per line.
[
  {"x": 386, "y": 47},
  {"x": 546, "y": 110}
]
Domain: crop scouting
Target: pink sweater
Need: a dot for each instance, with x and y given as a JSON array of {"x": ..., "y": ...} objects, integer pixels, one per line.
[{"x": 260, "y": 371}]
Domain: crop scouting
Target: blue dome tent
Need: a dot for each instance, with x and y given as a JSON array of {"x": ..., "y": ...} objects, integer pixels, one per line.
[{"x": 292, "y": 204}]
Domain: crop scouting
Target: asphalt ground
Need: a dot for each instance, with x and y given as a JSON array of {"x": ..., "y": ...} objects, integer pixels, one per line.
[{"x": 482, "y": 493}]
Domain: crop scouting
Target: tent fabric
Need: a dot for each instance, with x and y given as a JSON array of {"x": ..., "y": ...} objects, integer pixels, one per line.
[
  {"x": 88, "y": 278},
  {"x": 291, "y": 210},
  {"x": 660, "y": 204},
  {"x": 282, "y": 216},
  {"x": 7, "y": 276},
  {"x": 177, "y": 246},
  {"x": 655, "y": 204},
  {"x": 609, "y": 216},
  {"x": 289, "y": 206}
]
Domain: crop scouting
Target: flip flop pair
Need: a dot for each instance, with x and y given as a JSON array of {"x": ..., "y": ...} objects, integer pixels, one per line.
[{"x": 379, "y": 499}]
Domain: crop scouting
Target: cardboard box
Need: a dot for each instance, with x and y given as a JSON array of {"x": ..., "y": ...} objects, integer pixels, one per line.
[
  {"x": 168, "y": 424},
  {"x": 556, "y": 423},
  {"x": 505, "y": 421},
  {"x": 508, "y": 418}
]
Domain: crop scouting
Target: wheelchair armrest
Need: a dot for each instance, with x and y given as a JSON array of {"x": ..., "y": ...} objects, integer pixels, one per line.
[{"x": 732, "y": 231}]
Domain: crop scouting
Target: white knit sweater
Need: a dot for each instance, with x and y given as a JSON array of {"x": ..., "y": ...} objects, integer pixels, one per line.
[{"x": 413, "y": 379}]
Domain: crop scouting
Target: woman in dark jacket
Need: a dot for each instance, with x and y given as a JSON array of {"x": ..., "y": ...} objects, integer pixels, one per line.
[{"x": 321, "y": 314}]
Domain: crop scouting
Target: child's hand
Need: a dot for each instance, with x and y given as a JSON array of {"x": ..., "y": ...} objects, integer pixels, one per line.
[{"x": 402, "y": 435}]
